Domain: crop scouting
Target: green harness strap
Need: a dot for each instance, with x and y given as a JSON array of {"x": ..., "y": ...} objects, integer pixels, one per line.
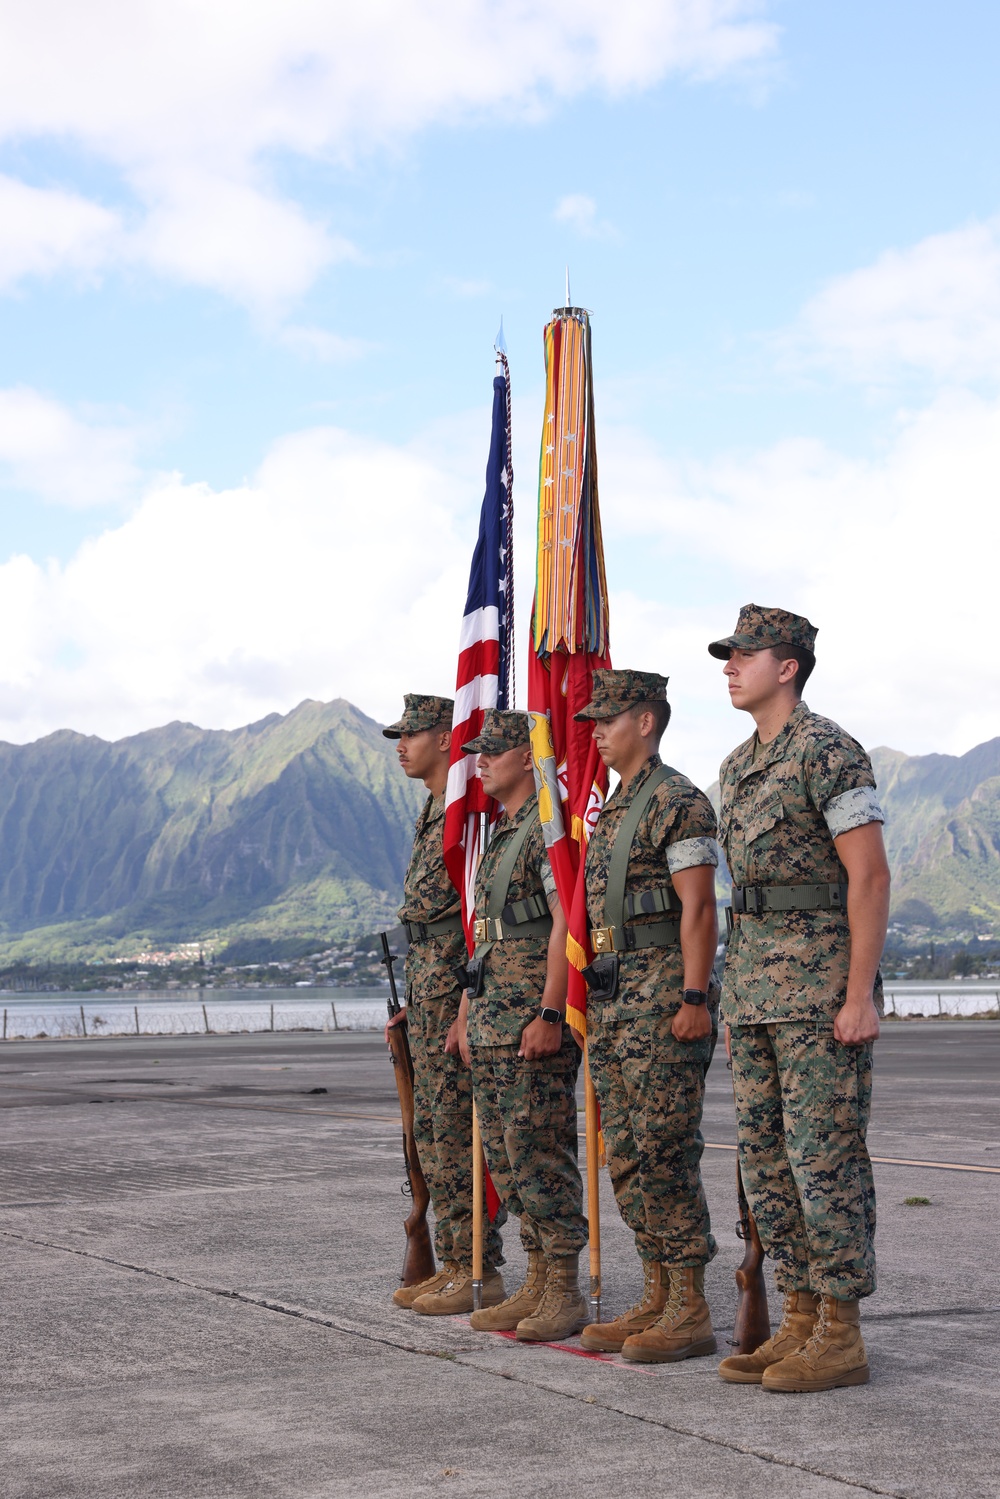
[
  {"x": 616, "y": 908},
  {"x": 530, "y": 917}
]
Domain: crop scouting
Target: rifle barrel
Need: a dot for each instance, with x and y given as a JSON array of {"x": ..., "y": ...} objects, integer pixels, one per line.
[{"x": 388, "y": 958}]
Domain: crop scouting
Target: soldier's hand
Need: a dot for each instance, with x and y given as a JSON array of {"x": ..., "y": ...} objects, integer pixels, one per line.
[
  {"x": 856, "y": 1022},
  {"x": 692, "y": 1023},
  {"x": 456, "y": 1042},
  {"x": 539, "y": 1039},
  {"x": 399, "y": 1019}
]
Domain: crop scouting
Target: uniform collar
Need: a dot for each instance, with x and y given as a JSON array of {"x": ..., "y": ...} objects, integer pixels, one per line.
[
  {"x": 624, "y": 794},
  {"x": 772, "y": 752},
  {"x": 506, "y": 822}
]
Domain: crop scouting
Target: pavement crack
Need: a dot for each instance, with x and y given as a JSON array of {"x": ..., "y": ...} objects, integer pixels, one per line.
[
  {"x": 594, "y": 1402},
  {"x": 467, "y": 1357}
]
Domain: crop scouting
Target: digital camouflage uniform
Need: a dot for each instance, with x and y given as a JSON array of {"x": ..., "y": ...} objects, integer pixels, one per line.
[
  {"x": 802, "y": 1098},
  {"x": 527, "y": 1109},
  {"x": 442, "y": 1090},
  {"x": 651, "y": 1086}
]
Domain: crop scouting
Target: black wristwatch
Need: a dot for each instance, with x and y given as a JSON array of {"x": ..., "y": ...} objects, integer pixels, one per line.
[
  {"x": 550, "y": 1014},
  {"x": 694, "y": 997}
]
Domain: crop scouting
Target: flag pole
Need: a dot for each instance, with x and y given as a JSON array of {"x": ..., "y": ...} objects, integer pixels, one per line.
[
  {"x": 593, "y": 1184},
  {"x": 477, "y": 1212}
]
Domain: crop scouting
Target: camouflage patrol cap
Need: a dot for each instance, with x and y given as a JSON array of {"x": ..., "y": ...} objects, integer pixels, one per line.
[
  {"x": 421, "y": 711},
  {"x": 503, "y": 729},
  {"x": 759, "y": 627},
  {"x": 614, "y": 691}
]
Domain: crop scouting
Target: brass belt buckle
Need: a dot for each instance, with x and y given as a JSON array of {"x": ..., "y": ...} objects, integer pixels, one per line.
[
  {"x": 601, "y": 939},
  {"x": 480, "y": 929}
]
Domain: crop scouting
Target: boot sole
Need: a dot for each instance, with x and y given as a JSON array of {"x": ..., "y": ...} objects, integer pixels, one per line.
[
  {"x": 801, "y": 1387},
  {"x": 550, "y": 1337},
  {"x": 456, "y": 1309},
  {"x": 494, "y": 1326},
  {"x": 595, "y": 1343},
  {"x": 735, "y": 1377},
  {"x": 642, "y": 1355}
]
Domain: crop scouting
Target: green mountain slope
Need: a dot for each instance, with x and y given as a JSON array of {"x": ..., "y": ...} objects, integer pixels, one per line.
[
  {"x": 942, "y": 833},
  {"x": 296, "y": 825}
]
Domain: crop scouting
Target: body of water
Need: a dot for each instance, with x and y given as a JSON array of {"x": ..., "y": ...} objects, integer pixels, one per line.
[{"x": 188, "y": 1011}]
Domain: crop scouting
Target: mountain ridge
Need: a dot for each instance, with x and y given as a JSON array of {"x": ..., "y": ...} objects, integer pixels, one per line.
[{"x": 299, "y": 821}]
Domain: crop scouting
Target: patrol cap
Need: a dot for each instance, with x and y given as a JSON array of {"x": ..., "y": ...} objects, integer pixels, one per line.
[
  {"x": 503, "y": 729},
  {"x": 421, "y": 711},
  {"x": 614, "y": 691},
  {"x": 759, "y": 627}
]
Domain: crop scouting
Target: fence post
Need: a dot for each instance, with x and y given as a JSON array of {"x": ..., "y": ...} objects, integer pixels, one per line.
[
  {"x": 5, "y": 1022},
  {"x": 136, "y": 1008},
  {"x": 83, "y": 1022},
  {"x": 272, "y": 1016},
  {"x": 940, "y": 1011},
  {"x": 205, "y": 1015},
  {"x": 333, "y": 1007}
]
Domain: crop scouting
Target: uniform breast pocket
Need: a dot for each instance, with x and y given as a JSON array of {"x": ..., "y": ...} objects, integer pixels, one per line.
[{"x": 763, "y": 818}]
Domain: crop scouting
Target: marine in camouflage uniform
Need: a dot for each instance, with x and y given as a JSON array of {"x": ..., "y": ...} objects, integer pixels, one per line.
[
  {"x": 432, "y": 915},
  {"x": 526, "y": 1105},
  {"x": 650, "y": 1084},
  {"x": 803, "y": 1096}
]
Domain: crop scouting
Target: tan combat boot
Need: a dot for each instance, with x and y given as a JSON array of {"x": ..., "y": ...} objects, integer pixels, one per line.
[
  {"x": 507, "y": 1314},
  {"x": 833, "y": 1356},
  {"x": 797, "y": 1322},
  {"x": 608, "y": 1337},
  {"x": 456, "y": 1294},
  {"x": 407, "y": 1295},
  {"x": 684, "y": 1328},
  {"x": 562, "y": 1310}
]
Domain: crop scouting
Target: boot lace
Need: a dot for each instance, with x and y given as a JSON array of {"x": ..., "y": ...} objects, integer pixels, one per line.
[
  {"x": 529, "y": 1285},
  {"x": 647, "y": 1291},
  {"x": 674, "y": 1308},
  {"x": 818, "y": 1333}
]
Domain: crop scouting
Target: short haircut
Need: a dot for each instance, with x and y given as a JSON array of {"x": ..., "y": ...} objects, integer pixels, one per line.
[
  {"x": 805, "y": 660},
  {"x": 660, "y": 710}
]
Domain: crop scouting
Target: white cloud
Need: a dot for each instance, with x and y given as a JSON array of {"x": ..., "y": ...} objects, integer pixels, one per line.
[
  {"x": 894, "y": 559},
  {"x": 580, "y": 213},
  {"x": 44, "y": 230},
  {"x": 933, "y": 307},
  {"x": 320, "y": 343},
  {"x": 341, "y": 570},
  {"x": 195, "y": 104},
  {"x": 337, "y": 572},
  {"x": 48, "y": 450}
]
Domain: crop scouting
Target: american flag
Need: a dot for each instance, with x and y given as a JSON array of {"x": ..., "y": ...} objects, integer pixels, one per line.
[{"x": 485, "y": 656}]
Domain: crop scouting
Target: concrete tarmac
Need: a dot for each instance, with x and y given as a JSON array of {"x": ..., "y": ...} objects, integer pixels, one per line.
[{"x": 198, "y": 1248}]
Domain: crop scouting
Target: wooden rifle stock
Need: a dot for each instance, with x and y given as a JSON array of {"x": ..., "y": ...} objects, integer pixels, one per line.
[
  {"x": 418, "y": 1257},
  {"x": 753, "y": 1325}
]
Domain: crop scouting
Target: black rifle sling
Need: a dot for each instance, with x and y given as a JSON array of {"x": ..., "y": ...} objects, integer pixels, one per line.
[{"x": 614, "y": 894}]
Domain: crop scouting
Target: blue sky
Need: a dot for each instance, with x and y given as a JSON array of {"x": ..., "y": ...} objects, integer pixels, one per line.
[{"x": 250, "y": 275}]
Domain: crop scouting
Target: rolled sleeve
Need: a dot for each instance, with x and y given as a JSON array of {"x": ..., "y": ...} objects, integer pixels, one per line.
[
  {"x": 689, "y": 852},
  {"x": 548, "y": 880},
  {"x": 852, "y": 809}
]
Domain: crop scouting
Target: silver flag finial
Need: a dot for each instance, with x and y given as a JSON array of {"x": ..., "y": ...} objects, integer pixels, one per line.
[{"x": 500, "y": 343}]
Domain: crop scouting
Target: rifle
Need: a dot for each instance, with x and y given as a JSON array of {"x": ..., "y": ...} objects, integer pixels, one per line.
[
  {"x": 753, "y": 1325},
  {"x": 418, "y": 1258}
]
